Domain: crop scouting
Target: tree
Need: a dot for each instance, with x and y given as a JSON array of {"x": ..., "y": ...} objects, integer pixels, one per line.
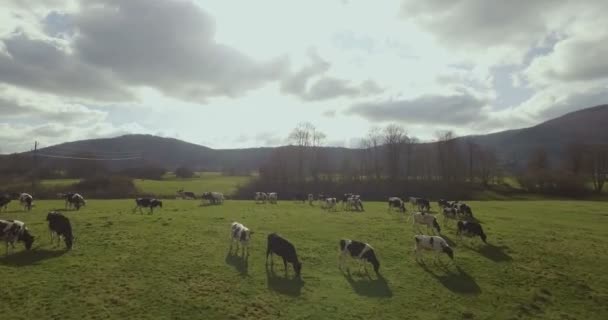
[
  {"x": 374, "y": 138},
  {"x": 597, "y": 165},
  {"x": 301, "y": 137},
  {"x": 394, "y": 139},
  {"x": 184, "y": 172}
]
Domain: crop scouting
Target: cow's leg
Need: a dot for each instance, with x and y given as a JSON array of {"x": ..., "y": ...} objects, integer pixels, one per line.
[{"x": 285, "y": 264}]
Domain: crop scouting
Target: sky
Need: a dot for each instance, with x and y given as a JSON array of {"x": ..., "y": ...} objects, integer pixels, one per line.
[{"x": 233, "y": 74}]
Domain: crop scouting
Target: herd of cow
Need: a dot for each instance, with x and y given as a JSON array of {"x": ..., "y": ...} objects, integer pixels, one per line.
[{"x": 12, "y": 231}]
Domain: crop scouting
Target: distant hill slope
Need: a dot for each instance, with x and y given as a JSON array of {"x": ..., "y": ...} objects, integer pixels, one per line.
[{"x": 587, "y": 125}]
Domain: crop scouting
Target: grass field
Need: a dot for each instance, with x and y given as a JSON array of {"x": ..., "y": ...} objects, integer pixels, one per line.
[
  {"x": 546, "y": 260},
  {"x": 207, "y": 181}
]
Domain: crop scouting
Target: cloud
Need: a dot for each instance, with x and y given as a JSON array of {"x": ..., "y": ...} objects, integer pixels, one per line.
[
  {"x": 324, "y": 87},
  {"x": 168, "y": 45},
  {"x": 582, "y": 58},
  {"x": 429, "y": 109},
  {"x": 47, "y": 65},
  {"x": 482, "y": 22}
]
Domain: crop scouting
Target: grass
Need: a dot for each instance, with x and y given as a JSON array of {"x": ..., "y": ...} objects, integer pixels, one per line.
[
  {"x": 207, "y": 181},
  {"x": 58, "y": 182},
  {"x": 545, "y": 260}
]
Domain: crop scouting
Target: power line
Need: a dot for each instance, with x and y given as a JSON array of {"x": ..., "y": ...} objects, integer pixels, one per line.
[{"x": 84, "y": 158}]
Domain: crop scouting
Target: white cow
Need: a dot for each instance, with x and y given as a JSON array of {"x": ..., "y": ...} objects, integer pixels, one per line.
[
  {"x": 432, "y": 243},
  {"x": 273, "y": 197},
  {"x": 426, "y": 219},
  {"x": 241, "y": 235},
  {"x": 260, "y": 197}
]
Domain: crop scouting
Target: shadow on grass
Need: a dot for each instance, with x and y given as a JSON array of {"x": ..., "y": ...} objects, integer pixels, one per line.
[
  {"x": 239, "y": 262},
  {"x": 492, "y": 252},
  {"x": 369, "y": 287},
  {"x": 458, "y": 281},
  {"x": 30, "y": 257},
  {"x": 284, "y": 285}
]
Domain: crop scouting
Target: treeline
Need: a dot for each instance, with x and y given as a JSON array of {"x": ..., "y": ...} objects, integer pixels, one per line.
[
  {"x": 581, "y": 169},
  {"x": 388, "y": 162}
]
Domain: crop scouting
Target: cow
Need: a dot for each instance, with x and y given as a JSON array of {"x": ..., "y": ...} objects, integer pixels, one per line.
[
  {"x": 471, "y": 229},
  {"x": 345, "y": 199},
  {"x": 311, "y": 199},
  {"x": 464, "y": 210},
  {"x": 260, "y": 197},
  {"x": 186, "y": 194},
  {"x": 396, "y": 202},
  {"x": 426, "y": 219},
  {"x": 77, "y": 201},
  {"x": 66, "y": 196},
  {"x": 12, "y": 231},
  {"x": 354, "y": 203},
  {"x": 432, "y": 243},
  {"x": 5, "y": 199},
  {"x": 241, "y": 235},
  {"x": 442, "y": 203},
  {"x": 284, "y": 249},
  {"x": 449, "y": 213},
  {"x": 423, "y": 204},
  {"x": 273, "y": 197},
  {"x": 358, "y": 250},
  {"x": 147, "y": 203},
  {"x": 330, "y": 204},
  {"x": 60, "y": 226},
  {"x": 26, "y": 200}
]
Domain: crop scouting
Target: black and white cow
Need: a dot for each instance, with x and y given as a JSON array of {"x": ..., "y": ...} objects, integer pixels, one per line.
[
  {"x": 426, "y": 219},
  {"x": 186, "y": 194},
  {"x": 311, "y": 199},
  {"x": 345, "y": 199},
  {"x": 359, "y": 251},
  {"x": 449, "y": 213},
  {"x": 5, "y": 199},
  {"x": 76, "y": 201},
  {"x": 464, "y": 210},
  {"x": 147, "y": 203},
  {"x": 60, "y": 226},
  {"x": 12, "y": 231},
  {"x": 284, "y": 249},
  {"x": 241, "y": 235},
  {"x": 423, "y": 204},
  {"x": 66, "y": 196},
  {"x": 260, "y": 197},
  {"x": 330, "y": 204},
  {"x": 471, "y": 229},
  {"x": 432, "y": 243},
  {"x": 273, "y": 197},
  {"x": 26, "y": 200},
  {"x": 396, "y": 203}
]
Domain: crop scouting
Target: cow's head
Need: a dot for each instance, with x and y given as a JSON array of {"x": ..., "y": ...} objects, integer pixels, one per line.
[
  {"x": 160, "y": 203},
  {"x": 27, "y": 238},
  {"x": 297, "y": 267},
  {"x": 447, "y": 250}
]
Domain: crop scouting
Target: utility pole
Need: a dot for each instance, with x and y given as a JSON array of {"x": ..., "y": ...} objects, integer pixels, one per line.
[{"x": 35, "y": 166}]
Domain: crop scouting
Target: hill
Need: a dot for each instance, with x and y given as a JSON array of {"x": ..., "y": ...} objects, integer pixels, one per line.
[{"x": 587, "y": 125}]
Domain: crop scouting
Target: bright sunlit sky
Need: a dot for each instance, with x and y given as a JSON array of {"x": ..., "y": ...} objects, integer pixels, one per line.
[{"x": 231, "y": 74}]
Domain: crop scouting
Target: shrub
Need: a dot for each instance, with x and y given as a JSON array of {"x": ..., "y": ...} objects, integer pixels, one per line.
[{"x": 184, "y": 172}]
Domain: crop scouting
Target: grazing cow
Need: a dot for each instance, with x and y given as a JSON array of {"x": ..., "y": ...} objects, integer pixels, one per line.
[
  {"x": 311, "y": 198},
  {"x": 260, "y": 197},
  {"x": 77, "y": 201},
  {"x": 330, "y": 204},
  {"x": 5, "y": 199},
  {"x": 395, "y": 202},
  {"x": 471, "y": 229},
  {"x": 26, "y": 201},
  {"x": 12, "y": 231},
  {"x": 147, "y": 203},
  {"x": 60, "y": 226},
  {"x": 464, "y": 210},
  {"x": 358, "y": 250},
  {"x": 423, "y": 204},
  {"x": 426, "y": 219},
  {"x": 449, "y": 213},
  {"x": 241, "y": 235},
  {"x": 213, "y": 197},
  {"x": 66, "y": 196},
  {"x": 345, "y": 199},
  {"x": 432, "y": 243},
  {"x": 285, "y": 250},
  {"x": 186, "y": 194},
  {"x": 273, "y": 197},
  {"x": 354, "y": 203}
]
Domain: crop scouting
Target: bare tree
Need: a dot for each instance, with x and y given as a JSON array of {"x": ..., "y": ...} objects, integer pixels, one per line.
[
  {"x": 488, "y": 165},
  {"x": 597, "y": 165},
  {"x": 374, "y": 136},
  {"x": 301, "y": 137},
  {"x": 394, "y": 139}
]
